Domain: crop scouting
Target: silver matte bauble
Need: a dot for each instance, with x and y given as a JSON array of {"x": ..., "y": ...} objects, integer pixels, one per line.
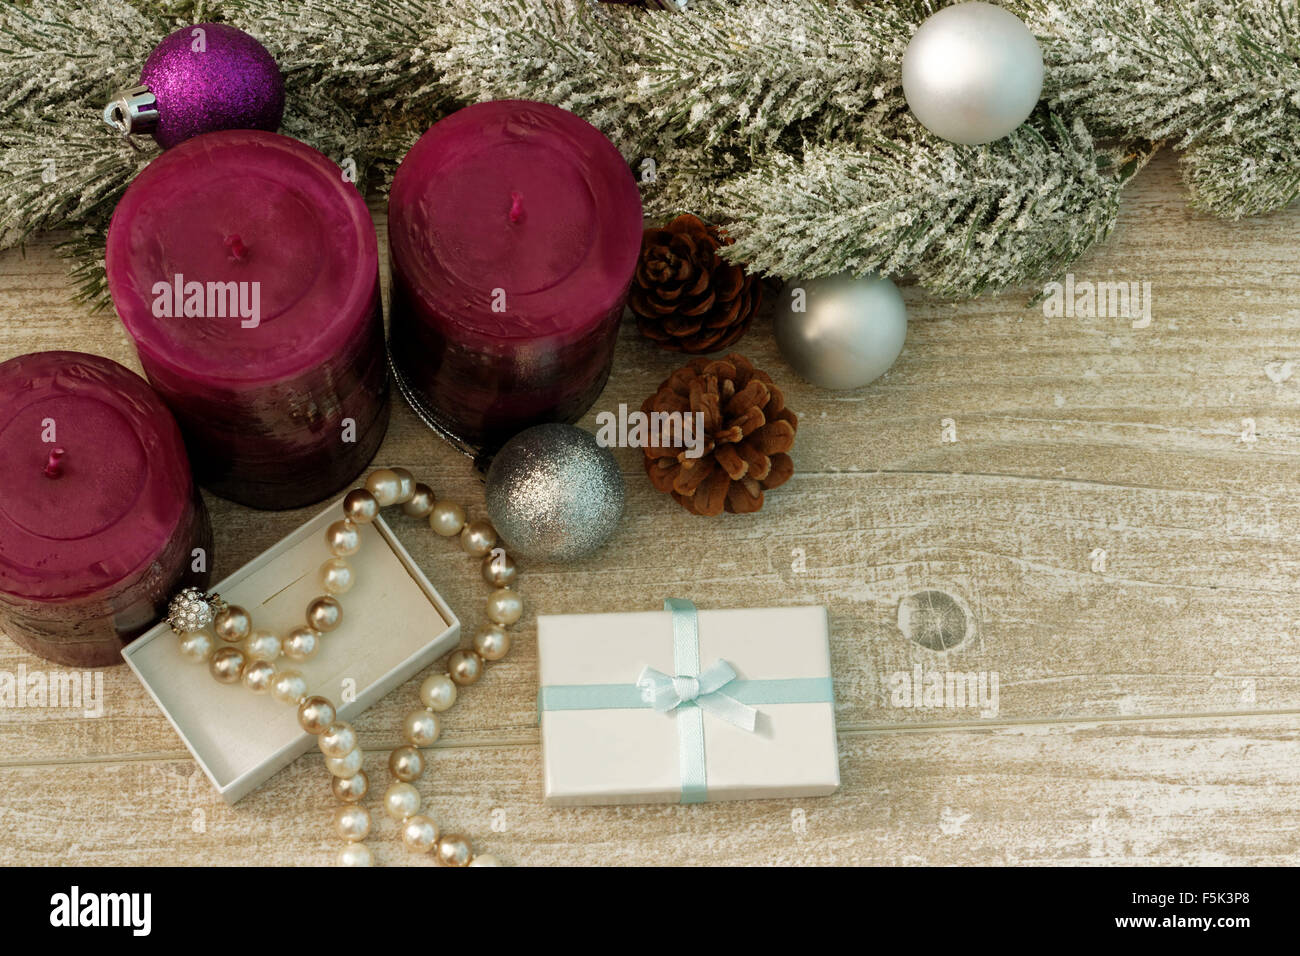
[
  {"x": 972, "y": 73},
  {"x": 840, "y": 331},
  {"x": 554, "y": 494}
]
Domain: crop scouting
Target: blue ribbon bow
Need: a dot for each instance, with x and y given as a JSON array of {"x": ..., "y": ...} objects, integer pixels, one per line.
[
  {"x": 688, "y": 694},
  {"x": 663, "y": 693}
]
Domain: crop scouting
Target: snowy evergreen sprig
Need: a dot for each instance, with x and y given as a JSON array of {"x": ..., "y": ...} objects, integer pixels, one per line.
[
  {"x": 782, "y": 121},
  {"x": 1217, "y": 79},
  {"x": 750, "y": 72},
  {"x": 566, "y": 53},
  {"x": 959, "y": 218},
  {"x": 57, "y": 54}
]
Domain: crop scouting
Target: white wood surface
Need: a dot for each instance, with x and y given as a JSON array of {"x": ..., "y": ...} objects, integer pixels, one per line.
[{"x": 1148, "y": 712}]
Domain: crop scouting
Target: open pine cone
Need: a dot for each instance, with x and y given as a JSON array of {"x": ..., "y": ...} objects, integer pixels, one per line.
[
  {"x": 685, "y": 296},
  {"x": 747, "y": 434}
]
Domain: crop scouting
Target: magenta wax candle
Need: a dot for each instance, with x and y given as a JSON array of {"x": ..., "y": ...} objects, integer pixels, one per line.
[
  {"x": 514, "y": 228},
  {"x": 245, "y": 267},
  {"x": 99, "y": 517}
]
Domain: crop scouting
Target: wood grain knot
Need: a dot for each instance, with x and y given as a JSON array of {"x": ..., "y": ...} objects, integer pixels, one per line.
[{"x": 936, "y": 620}]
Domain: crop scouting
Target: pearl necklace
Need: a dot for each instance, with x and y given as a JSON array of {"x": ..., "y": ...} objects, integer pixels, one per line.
[{"x": 249, "y": 655}]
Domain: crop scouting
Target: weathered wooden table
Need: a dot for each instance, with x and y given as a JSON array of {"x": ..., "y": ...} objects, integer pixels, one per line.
[{"x": 1115, "y": 519}]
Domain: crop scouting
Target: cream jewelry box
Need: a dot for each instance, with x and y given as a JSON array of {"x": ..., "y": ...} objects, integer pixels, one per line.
[{"x": 394, "y": 625}]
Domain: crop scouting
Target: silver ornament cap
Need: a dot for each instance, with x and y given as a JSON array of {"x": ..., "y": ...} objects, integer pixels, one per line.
[
  {"x": 554, "y": 494},
  {"x": 133, "y": 110},
  {"x": 841, "y": 331},
  {"x": 972, "y": 73}
]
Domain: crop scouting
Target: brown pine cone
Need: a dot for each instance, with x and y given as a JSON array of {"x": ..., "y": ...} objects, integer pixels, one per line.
[
  {"x": 685, "y": 296},
  {"x": 747, "y": 433}
]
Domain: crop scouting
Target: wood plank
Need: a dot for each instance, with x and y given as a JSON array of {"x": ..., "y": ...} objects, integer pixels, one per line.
[
  {"x": 1153, "y": 635},
  {"x": 1125, "y": 792},
  {"x": 1072, "y": 435}
]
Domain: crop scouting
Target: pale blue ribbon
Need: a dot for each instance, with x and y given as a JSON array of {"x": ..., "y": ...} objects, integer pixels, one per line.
[
  {"x": 689, "y": 693},
  {"x": 664, "y": 693}
]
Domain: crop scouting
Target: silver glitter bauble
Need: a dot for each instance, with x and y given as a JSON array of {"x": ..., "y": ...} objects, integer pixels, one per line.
[
  {"x": 840, "y": 331},
  {"x": 554, "y": 494},
  {"x": 191, "y": 610},
  {"x": 972, "y": 73}
]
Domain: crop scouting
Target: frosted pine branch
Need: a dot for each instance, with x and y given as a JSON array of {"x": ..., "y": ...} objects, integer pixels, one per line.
[
  {"x": 1181, "y": 70},
  {"x": 563, "y": 52},
  {"x": 378, "y": 55},
  {"x": 1219, "y": 79},
  {"x": 961, "y": 219},
  {"x": 58, "y": 53},
  {"x": 58, "y": 172},
  {"x": 751, "y": 71},
  {"x": 1248, "y": 178},
  {"x": 784, "y": 120}
]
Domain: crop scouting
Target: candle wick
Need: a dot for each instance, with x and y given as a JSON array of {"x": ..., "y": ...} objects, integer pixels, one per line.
[
  {"x": 54, "y": 465},
  {"x": 238, "y": 251},
  {"x": 516, "y": 207}
]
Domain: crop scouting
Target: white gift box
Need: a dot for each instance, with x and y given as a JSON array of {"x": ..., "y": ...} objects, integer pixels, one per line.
[
  {"x": 394, "y": 625},
  {"x": 603, "y": 741}
]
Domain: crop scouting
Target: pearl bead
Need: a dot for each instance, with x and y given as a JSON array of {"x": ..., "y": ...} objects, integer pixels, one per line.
[
  {"x": 447, "y": 518},
  {"x": 453, "y": 850},
  {"x": 227, "y": 665},
  {"x": 262, "y": 645},
  {"x": 336, "y": 576},
  {"x": 324, "y": 614},
  {"x": 360, "y": 506},
  {"x": 315, "y": 714},
  {"x": 499, "y": 570},
  {"x": 289, "y": 687},
  {"x": 343, "y": 538},
  {"x": 438, "y": 692},
  {"x": 485, "y": 859},
  {"x": 196, "y": 647},
  {"x": 232, "y": 624},
  {"x": 350, "y": 789},
  {"x": 405, "y": 486},
  {"x": 401, "y": 800},
  {"x": 492, "y": 643},
  {"x": 301, "y": 644},
  {"x": 385, "y": 485},
  {"x": 357, "y": 854},
  {"x": 464, "y": 667},
  {"x": 504, "y": 606},
  {"x": 421, "y": 728},
  {"x": 349, "y": 765},
  {"x": 420, "y": 834},
  {"x": 478, "y": 538},
  {"x": 338, "y": 740},
  {"x": 421, "y": 503},
  {"x": 258, "y": 676},
  {"x": 352, "y": 823},
  {"x": 406, "y": 763}
]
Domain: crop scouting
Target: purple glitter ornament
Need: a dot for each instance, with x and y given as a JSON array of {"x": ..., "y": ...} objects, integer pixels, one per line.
[{"x": 210, "y": 76}]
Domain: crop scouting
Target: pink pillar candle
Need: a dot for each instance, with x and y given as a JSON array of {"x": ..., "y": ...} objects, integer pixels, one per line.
[
  {"x": 99, "y": 517},
  {"x": 245, "y": 267},
  {"x": 514, "y": 228}
]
